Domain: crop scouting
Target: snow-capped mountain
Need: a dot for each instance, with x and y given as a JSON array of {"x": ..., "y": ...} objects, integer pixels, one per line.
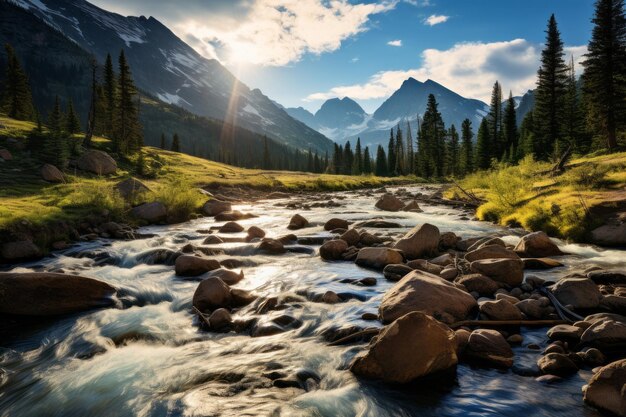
[
  {"x": 345, "y": 119},
  {"x": 165, "y": 66}
]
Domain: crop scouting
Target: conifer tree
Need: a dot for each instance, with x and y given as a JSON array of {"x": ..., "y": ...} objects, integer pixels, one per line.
[
  {"x": 109, "y": 96},
  {"x": 381, "y": 162},
  {"x": 510, "y": 130},
  {"x": 309, "y": 162},
  {"x": 367, "y": 161},
  {"x": 128, "y": 137},
  {"x": 266, "y": 154},
  {"x": 391, "y": 154},
  {"x": 162, "y": 145},
  {"x": 432, "y": 141},
  {"x": 348, "y": 158},
  {"x": 17, "y": 101},
  {"x": 400, "y": 154},
  {"x": 528, "y": 141},
  {"x": 467, "y": 149},
  {"x": 176, "y": 143},
  {"x": 483, "y": 146},
  {"x": 573, "y": 128},
  {"x": 604, "y": 78},
  {"x": 495, "y": 122},
  {"x": 453, "y": 165},
  {"x": 72, "y": 124},
  {"x": 550, "y": 93},
  {"x": 410, "y": 151},
  {"x": 357, "y": 164},
  {"x": 55, "y": 147}
]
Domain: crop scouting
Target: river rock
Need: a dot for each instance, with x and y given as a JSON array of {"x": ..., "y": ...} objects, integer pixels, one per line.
[
  {"x": 426, "y": 293},
  {"x": 272, "y": 246},
  {"x": 557, "y": 364},
  {"x": 411, "y": 347},
  {"x": 449, "y": 273},
  {"x": 215, "y": 207},
  {"x": 51, "y": 173},
  {"x": 413, "y": 207},
  {"x": 231, "y": 227},
  {"x": 191, "y": 266},
  {"x": 594, "y": 318},
  {"x": 389, "y": 202},
  {"x": 130, "y": 188},
  {"x": 609, "y": 235},
  {"x": 426, "y": 266},
  {"x": 566, "y": 333},
  {"x": 335, "y": 223},
  {"x": 48, "y": 294},
  {"x": 608, "y": 277},
  {"x": 500, "y": 310},
  {"x": 614, "y": 303},
  {"x": 241, "y": 298},
  {"x": 580, "y": 293},
  {"x": 395, "y": 272},
  {"x": 448, "y": 240},
  {"x": 228, "y": 276},
  {"x": 151, "y": 212},
  {"x": 220, "y": 319},
  {"x": 378, "y": 258},
  {"x": 297, "y": 222},
  {"x": 419, "y": 242},
  {"x": 462, "y": 338},
  {"x": 351, "y": 237},
  {"x": 605, "y": 390},
  {"x": 232, "y": 216},
  {"x": 541, "y": 263},
  {"x": 213, "y": 240},
  {"x": 20, "y": 250},
  {"x": 97, "y": 162},
  {"x": 211, "y": 294},
  {"x": 533, "y": 309},
  {"x": 333, "y": 249},
  {"x": 506, "y": 271},
  {"x": 255, "y": 232},
  {"x": 537, "y": 245},
  {"x": 368, "y": 239},
  {"x": 489, "y": 347},
  {"x": 479, "y": 283},
  {"x": 491, "y": 252},
  {"x": 606, "y": 335}
]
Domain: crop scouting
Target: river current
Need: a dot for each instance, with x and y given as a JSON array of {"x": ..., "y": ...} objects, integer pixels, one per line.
[{"x": 148, "y": 357}]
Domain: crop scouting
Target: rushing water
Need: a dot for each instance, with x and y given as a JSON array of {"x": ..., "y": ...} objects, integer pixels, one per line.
[{"x": 150, "y": 359}]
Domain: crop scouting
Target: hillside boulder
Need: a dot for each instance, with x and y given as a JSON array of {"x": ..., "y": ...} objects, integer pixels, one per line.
[
  {"x": 150, "y": 212},
  {"x": 215, "y": 207},
  {"x": 130, "y": 188},
  {"x": 97, "y": 162},
  {"x": 51, "y": 173}
]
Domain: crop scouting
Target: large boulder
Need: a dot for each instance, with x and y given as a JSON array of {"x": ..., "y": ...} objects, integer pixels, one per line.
[
  {"x": 506, "y": 271},
  {"x": 606, "y": 335},
  {"x": 413, "y": 346},
  {"x": 609, "y": 235},
  {"x": 229, "y": 277},
  {"x": 490, "y": 348},
  {"x": 47, "y": 294},
  {"x": 97, "y": 162},
  {"x": 352, "y": 237},
  {"x": 131, "y": 188},
  {"x": 491, "y": 252},
  {"x": 297, "y": 222},
  {"x": 333, "y": 249},
  {"x": 5, "y": 154},
  {"x": 606, "y": 389},
  {"x": 192, "y": 266},
  {"x": 389, "y": 202},
  {"x": 231, "y": 227},
  {"x": 151, "y": 212},
  {"x": 479, "y": 283},
  {"x": 335, "y": 223},
  {"x": 537, "y": 245},
  {"x": 421, "y": 241},
  {"x": 395, "y": 272},
  {"x": 211, "y": 294},
  {"x": 578, "y": 292},
  {"x": 500, "y": 310},
  {"x": 19, "y": 250},
  {"x": 608, "y": 276},
  {"x": 378, "y": 258},
  {"x": 51, "y": 173},
  {"x": 555, "y": 363},
  {"x": 426, "y": 293},
  {"x": 215, "y": 207}
]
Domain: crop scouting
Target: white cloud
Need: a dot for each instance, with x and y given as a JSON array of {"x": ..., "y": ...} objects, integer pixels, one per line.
[
  {"x": 469, "y": 69},
  {"x": 279, "y": 32},
  {"x": 435, "y": 19},
  {"x": 397, "y": 42}
]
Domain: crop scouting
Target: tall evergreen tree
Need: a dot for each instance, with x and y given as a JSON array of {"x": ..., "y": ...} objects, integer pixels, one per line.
[
  {"x": 17, "y": 101},
  {"x": 550, "y": 93},
  {"x": 176, "y": 143},
  {"x": 72, "y": 123},
  {"x": 266, "y": 154},
  {"x": 55, "y": 149},
  {"x": 528, "y": 141},
  {"x": 452, "y": 154},
  {"x": 432, "y": 141},
  {"x": 357, "y": 164},
  {"x": 162, "y": 145},
  {"x": 604, "y": 78},
  {"x": 348, "y": 158},
  {"x": 381, "y": 162},
  {"x": 467, "y": 149},
  {"x": 510, "y": 130},
  {"x": 410, "y": 151},
  {"x": 495, "y": 122},
  {"x": 109, "y": 96},
  {"x": 128, "y": 137},
  {"x": 367, "y": 161},
  {"x": 391, "y": 154},
  {"x": 310, "y": 167},
  {"x": 574, "y": 134},
  {"x": 483, "y": 146},
  {"x": 400, "y": 154}
]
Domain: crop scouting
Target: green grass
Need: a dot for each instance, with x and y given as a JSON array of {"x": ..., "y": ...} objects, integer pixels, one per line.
[
  {"x": 173, "y": 178},
  {"x": 523, "y": 196}
]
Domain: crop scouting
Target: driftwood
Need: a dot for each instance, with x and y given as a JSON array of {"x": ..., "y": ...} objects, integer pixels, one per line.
[
  {"x": 500, "y": 323},
  {"x": 470, "y": 194},
  {"x": 559, "y": 167},
  {"x": 202, "y": 317}
]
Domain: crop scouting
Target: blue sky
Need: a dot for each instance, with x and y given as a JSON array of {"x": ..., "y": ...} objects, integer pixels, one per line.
[{"x": 300, "y": 52}]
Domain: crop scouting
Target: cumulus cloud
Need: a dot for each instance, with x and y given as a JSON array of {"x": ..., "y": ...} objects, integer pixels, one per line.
[
  {"x": 397, "y": 42},
  {"x": 435, "y": 19},
  {"x": 469, "y": 69}
]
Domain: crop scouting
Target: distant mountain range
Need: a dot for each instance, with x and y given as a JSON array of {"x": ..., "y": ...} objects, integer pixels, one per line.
[
  {"x": 169, "y": 69},
  {"x": 343, "y": 119}
]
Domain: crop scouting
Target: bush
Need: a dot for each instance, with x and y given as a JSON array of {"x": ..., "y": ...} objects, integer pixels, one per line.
[
  {"x": 181, "y": 198},
  {"x": 588, "y": 177},
  {"x": 92, "y": 196}
]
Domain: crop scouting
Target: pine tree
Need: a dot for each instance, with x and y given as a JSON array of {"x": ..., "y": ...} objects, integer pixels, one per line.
[
  {"x": 367, "y": 161},
  {"x": 72, "y": 124},
  {"x": 453, "y": 163},
  {"x": 309, "y": 161},
  {"x": 176, "y": 143},
  {"x": 127, "y": 137},
  {"x": 573, "y": 128},
  {"x": 17, "y": 101},
  {"x": 495, "y": 122},
  {"x": 466, "y": 159},
  {"x": 510, "y": 130},
  {"x": 109, "y": 96},
  {"x": 357, "y": 163},
  {"x": 432, "y": 141},
  {"x": 94, "y": 115},
  {"x": 604, "y": 79},
  {"x": 338, "y": 159},
  {"x": 381, "y": 163},
  {"x": 162, "y": 145},
  {"x": 266, "y": 154},
  {"x": 483, "y": 146},
  {"x": 348, "y": 158},
  {"x": 391, "y": 154},
  {"x": 55, "y": 149},
  {"x": 410, "y": 151},
  {"x": 528, "y": 141},
  {"x": 550, "y": 93},
  {"x": 400, "y": 154}
]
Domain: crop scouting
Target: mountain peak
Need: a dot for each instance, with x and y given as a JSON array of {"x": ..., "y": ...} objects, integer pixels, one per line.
[{"x": 410, "y": 82}]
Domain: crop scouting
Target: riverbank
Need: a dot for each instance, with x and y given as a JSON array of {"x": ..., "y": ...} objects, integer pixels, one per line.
[
  {"x": 584, "y": 203},
  {"x": 75, "y": 204}
]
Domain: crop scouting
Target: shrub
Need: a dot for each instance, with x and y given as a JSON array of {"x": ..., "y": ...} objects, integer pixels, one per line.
[
  {"x": 588, "y": 176},
  {"x": 181, "y": 198}
]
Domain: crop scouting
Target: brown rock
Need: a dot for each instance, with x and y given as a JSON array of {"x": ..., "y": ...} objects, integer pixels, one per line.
[
  {"x": 51, "y": 173},
  {"x": 419, "y": 242},
  {"x": 333, "y": 249},
  {"x": 506, "y": 271},
  {"x": 215, "y": 207},
  {"x": 97, "y": 162},
  {"x": 481, "y": 284},
  {"x": 351, "y": 237},
  {"x": 231, "y": 227},
  {"x": 378, "y": 258},
  {"x": 413, "y": 206},
  {"x": 500, "y": 310},
  {"x": 297, "y": 222},
  {"x": 151, "y": 212},
  {"x": 131, "y": 188},
  {"x": 335, "y": 223},
  {"x": 606, "y": 335},
  {"x": 537, "y": 245},
  {"x": 389, "y": 202},
  {"x": 228, "y": 276},
  {"x": 5, "y": 154},
  {"x": 488, "y": 347},
  {"x": 413, "y": 346},
  {"x": 606, "y": 388},
  {"x": 211, "y": 294},
  {"x": 541, "y": 263},
  {"x": 20, "y": 250},
  {"x": 191, "y": 266},
  {"x": 395, "y": 272},
  {"x": 578, "y": 292},
  {"x": 220, "y": 319},
  {"x": 491, "y": 252},
  {"x": 255, "y": 232},
  {"x": 609, "y": 235},
  {"x": 557, "y": 364},
  {"x": 272, "y": 246}
]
